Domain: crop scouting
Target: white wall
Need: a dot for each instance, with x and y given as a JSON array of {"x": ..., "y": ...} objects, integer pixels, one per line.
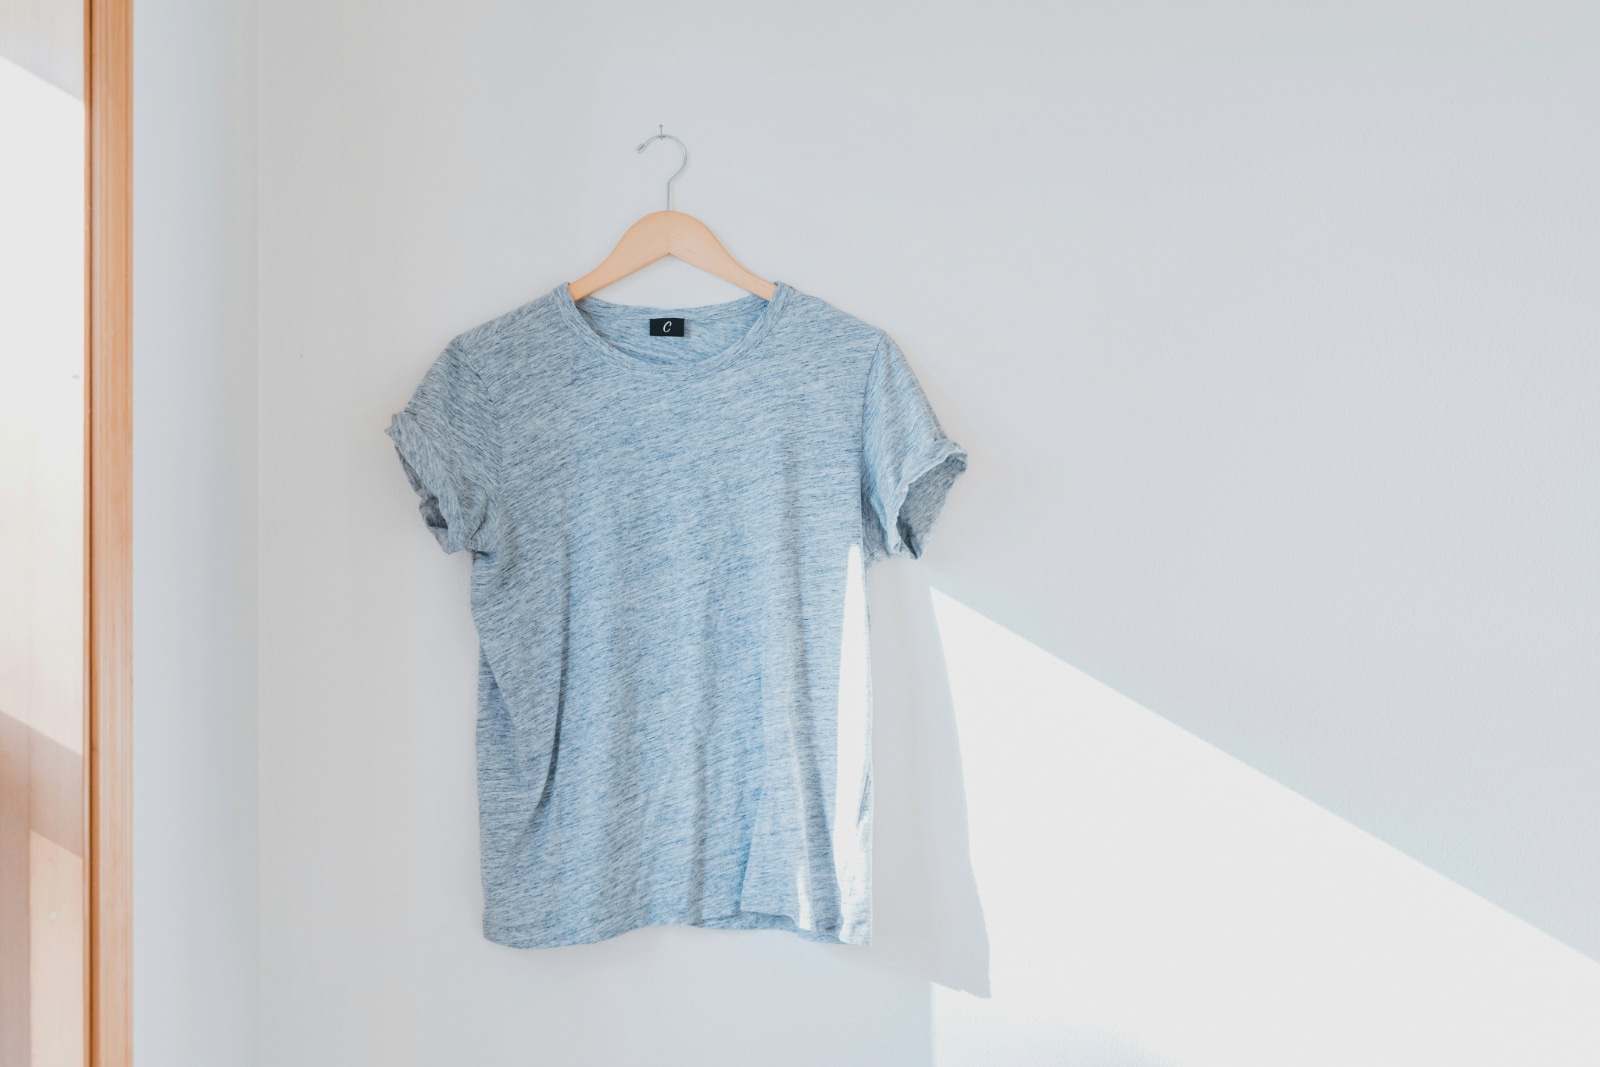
[
  {"x": 41, "y": 408},
  {"x": 1271, "y": 336},
  {"x": 195, "y": 880}
]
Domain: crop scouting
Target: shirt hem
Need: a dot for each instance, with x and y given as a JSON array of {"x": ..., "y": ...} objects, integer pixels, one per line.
[{"x": 537, "y": 935}]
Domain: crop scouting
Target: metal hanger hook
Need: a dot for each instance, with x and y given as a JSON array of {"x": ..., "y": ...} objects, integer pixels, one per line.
[{"x": 662, "y": 135}]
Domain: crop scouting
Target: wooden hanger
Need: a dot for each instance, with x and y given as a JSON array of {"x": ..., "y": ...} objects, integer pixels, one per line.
[{"x": 669, "y": 233}]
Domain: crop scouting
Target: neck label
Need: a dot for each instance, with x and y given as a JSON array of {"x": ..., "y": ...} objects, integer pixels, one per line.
[{"x": 668, "y": 327}]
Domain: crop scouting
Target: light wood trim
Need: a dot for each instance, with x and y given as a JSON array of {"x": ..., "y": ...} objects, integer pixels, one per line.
[{"x": 108, "y": 383}]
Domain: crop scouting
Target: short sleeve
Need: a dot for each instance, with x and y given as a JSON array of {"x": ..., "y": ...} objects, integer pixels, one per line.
[
  {"x": 907, "y": 463},
  {"x": 448, "y": 440}
]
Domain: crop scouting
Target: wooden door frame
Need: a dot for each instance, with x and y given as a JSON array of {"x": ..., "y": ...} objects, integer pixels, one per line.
[{"x": 108, "y": 530}]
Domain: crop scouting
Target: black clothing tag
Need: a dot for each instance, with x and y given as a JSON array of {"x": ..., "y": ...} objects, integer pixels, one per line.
[{"x": 667, "y": 327}]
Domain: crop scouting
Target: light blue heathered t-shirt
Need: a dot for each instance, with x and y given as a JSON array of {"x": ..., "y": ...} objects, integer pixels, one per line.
[{"x": 669, "y": 538}]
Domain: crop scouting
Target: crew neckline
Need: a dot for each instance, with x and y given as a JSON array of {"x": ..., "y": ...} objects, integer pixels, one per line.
[{"x": 594, "y": 339}]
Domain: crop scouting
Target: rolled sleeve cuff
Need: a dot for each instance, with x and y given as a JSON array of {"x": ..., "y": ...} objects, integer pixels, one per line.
[
  {"x": 439, "y": 501},
  {"x": 919, "y": 499}
]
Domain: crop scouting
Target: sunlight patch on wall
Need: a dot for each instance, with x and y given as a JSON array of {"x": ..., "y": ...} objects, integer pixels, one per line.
[{"x": 1152, "y": 900}]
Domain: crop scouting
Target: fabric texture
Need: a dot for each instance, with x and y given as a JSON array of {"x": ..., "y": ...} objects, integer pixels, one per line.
[{"x": 669, "y": 538}]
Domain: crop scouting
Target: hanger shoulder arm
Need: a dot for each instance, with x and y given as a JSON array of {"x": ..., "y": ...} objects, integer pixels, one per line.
[{"x": 669, "y": 233}]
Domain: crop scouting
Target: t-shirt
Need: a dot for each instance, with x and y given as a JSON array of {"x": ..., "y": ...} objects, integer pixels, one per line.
[{"x": 669, "y": 531}]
